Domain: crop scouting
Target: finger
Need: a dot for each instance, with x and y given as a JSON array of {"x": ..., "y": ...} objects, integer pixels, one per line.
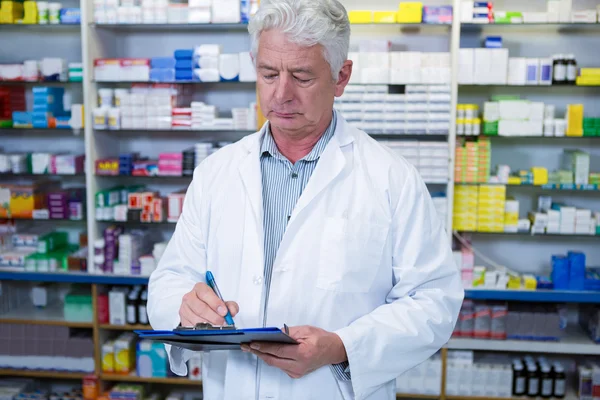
[
  {"x": 208, "y": 296},
  {"x": 204, "y": 312},
  {"x": 287, "y": 351},
  {"x": 188, "y": 317},
  {"x": 281, "y": 363},
  {"x": 299, "y": 332},
  {"x": 233, "y": 307}
]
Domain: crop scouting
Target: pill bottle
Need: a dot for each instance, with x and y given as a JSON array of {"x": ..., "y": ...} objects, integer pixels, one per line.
[
  {"x": 460, "y": 111},
  {"x": 469, "y": 127},
  {"x": 533, "y": 380},
  {"x": 560, "y": 70},
  {"x": 460, "y": 127},
  {"x": 471, "y": 111},
  {"x": 476, "y": 127},
  {"x": 120, "y": 95},
  {"x": 114, "y": 119},
  {"x": 547, "y": 381},
  {"x": 559, "y": 389},
  {"x": 571, "y": 69},
  {"x": 519, "y": 379},
  {"x": 54, "y": 13},
  {"x": 105, "y": 98},
  {"x": 42, "y": 7}
]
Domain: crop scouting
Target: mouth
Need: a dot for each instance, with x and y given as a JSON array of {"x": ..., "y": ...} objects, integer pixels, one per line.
[{"x": 284, "y": 115}]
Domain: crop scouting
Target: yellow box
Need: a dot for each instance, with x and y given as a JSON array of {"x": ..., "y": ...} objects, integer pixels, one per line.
[
  {"x": 574, "y": 120},
  {"x": 410, "y": 12},
  {"x": 529, "y": 282},
  {"x": 125, "y": 353},
  {"x": 514, "y": 180},
  {"x": 108, "y": 357},
  {"x": 385, "y": 17},
  {"x": 360, "y": 17},
  {"x": 514, "y": 282},
  {"x": 540, "y": 175},
  {"x": 591, "y": 72}
]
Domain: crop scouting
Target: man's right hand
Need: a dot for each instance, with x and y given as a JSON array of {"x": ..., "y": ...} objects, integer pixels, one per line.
[{"x": 201, "y": 304}]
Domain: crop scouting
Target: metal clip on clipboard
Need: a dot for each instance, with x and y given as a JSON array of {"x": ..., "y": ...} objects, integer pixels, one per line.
[{"x": 203, "y": 326}]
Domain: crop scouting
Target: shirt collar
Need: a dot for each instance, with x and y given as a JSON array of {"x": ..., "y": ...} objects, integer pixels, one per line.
[{"x": 269, "y": 147}]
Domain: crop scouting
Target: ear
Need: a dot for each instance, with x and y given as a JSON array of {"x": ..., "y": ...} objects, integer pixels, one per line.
[{"x": 343, "y": 78}]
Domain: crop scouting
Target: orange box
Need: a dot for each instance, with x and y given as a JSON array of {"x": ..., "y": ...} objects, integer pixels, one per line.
[{"x": 134, "y": 201}]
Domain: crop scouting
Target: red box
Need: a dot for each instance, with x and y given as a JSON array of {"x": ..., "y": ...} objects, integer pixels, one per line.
[
  {"x": 134, "y": 201},
  {"x": 158, "y": 210},
  {"x": 146, "y": 217}
]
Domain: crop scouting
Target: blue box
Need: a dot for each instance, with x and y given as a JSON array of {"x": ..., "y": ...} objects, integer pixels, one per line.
[
  {"x": 162, "y": 75},
  {"x": 45, "y": 90},
  {"x": 576, "y": 270},
  {"x": 22, "y": 119},
  {"x": 184, "y": 54},
  {"x": 162, "y": 62},
  {"x": 184, "y": 64},
  {"x": 493, "y": 42},
  {"x": 151, "y": 359},
  {"x": 63, "y": 122},
  {"x": 184, "y": 75},
  {"x": 560, "y": 272},
  {"x": 70, "y": 16}
]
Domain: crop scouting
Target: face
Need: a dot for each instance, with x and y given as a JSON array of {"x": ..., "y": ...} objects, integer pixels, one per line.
[{"x": 295, "y": 86}]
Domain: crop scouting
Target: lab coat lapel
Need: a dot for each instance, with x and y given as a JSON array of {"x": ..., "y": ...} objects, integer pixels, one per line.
[
  {"x": 329, "y": 166},
  {"x": 252, "y": 180}
]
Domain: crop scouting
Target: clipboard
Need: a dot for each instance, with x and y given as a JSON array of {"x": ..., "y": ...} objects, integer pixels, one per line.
[{"x": 204, "y": 337}]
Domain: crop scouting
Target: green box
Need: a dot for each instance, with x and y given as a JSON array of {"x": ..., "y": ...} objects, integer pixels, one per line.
[
  {"x": 52, "y": 242},
  {"x": 490, "y": 128}
]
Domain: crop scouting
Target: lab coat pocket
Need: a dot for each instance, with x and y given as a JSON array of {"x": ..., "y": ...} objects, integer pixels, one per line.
[{"x": 350, "y": 255}]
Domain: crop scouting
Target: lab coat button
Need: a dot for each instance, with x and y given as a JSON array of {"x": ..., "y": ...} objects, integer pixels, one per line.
[{"x": 258, "y": 280}]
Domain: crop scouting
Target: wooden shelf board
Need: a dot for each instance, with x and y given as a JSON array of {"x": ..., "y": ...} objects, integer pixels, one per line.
[
  {"x": 42, "y": 374},
  {"x": 133, "y": 378},
  {"x": 44, "y": 316},
  {"x": 416, "y": 396},
  {"x": 124, "y": 327}
]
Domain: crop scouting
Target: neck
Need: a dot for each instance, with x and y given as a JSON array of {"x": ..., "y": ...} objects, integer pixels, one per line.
[{"x": 296, "y": 145}]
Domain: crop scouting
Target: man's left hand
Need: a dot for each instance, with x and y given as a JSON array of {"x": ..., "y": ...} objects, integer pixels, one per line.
[{"x": 315, "y": 349}]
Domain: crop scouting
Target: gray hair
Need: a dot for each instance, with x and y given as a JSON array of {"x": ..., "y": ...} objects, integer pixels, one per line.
[{"x": 306, "y": 23}]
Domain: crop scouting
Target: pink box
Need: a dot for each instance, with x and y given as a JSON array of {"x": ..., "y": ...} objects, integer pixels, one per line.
[{"x": 468, "y": 259}]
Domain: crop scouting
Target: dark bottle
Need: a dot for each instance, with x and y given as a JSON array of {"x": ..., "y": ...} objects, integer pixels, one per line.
[
  {"x": 132, "y": 308},
  {"x": 519, "y": 379},
  {"x": 142, "y": 313},
  {"x": 559, "y": 389},
  {"x": 571, "y": 69},
  {"x": 559, "y": 76},
  {"x": 547, "y": 381},
  {"x": 533, "y": 380}
]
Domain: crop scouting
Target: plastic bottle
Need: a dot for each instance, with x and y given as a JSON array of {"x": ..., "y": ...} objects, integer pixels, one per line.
[
  {"x": 560, "y": 70},
  {"x": 142, "y": 313},
  {"x": 571, "y": 69},
  {"x": 132, "y": 307},
  {"x": 519, "y": 379},
  {"x": 547, "y": 382},
  {"x": 533, "y": 380},
  {"x": 559, "y": 389}
]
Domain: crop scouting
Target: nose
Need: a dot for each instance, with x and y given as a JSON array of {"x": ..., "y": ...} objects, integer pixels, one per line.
[{"x": 284, "y": 91}]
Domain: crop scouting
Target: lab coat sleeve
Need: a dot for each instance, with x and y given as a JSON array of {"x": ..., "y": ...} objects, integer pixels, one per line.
[
  {"x": 182, "y": 265},
  {"x": 423, "y": 305}
]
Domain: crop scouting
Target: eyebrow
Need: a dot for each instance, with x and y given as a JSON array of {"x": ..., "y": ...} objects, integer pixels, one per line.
[{"x": 293, "y": 70}]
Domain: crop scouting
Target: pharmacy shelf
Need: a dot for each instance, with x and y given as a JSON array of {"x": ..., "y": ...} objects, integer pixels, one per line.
[
  {"x": 72, "y": 221},
  {"x": 139, "y": 223},
  {"x": 110, "y": 327},
  {"x": 134, "y": 378},
  {"x": 528, "y": 87},
  {"x": 416, "y": 396},
  {"x": 14, "y": 274},
  {"x": 250, "y": 85},
  {"x": 45, "y": 28},
  {"x": 172, "y": 27},
  {"x": 528, "y": 234},
  {"x": 483, "y": 398},
  {"x": 41, "y": 316},
  {"x": 535, "y": 296},
  {"x": 174, "y": 131},
  {"x": 575, "y": 342},
  {"x": 39, "y": 176},
  {"x": 534, "y": 138},
  {"x": 429, "y": 137},
  {"x": 535, "y": 27},
  {"x": 559, "y": 188},
  {"x": 161, "y": 178},
  {"x": 40, "y": 132},
  {"x": 43, "y": 83},
  {"x": 26, "y": 373}
]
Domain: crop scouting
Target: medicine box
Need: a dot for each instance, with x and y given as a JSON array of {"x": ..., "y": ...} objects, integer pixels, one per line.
[
  {"x": 125, "y": 353},
  {"x": 151, "y": 359}
]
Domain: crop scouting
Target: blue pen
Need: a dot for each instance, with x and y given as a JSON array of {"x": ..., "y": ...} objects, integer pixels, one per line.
[{"x": 210, "y": 280}]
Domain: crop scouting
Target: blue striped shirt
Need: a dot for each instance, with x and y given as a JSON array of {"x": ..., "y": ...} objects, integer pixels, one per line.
[{"x": 282, "y": 186}]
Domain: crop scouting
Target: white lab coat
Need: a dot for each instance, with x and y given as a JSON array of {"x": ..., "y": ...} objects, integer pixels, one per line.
[{"x": 364, "y": 255}]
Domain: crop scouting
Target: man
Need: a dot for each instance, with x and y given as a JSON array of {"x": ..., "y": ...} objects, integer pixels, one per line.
[{"x": 310, "y": 223}]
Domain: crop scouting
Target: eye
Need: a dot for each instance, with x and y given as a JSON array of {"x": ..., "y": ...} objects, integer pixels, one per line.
[
  {"x": 270, "y": 77},
  {"x": 303, "y": 80}
]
